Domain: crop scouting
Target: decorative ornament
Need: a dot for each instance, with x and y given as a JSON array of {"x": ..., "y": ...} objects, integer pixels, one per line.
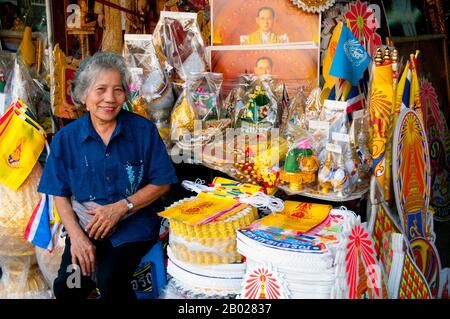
[
  {"x": 411, "y": 172},
  {"x": 413, "y": 284},
  {"x": 314, "y": 6},
  {"x": 263, "y": 283},
  {"x": 359, "y": 273},
  {"x": 427, "y": 260},
  {"x": 363, "y": 26}
]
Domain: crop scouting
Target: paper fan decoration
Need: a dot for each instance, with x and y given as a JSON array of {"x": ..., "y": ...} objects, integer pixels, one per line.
[
  {"x": 315, "y": 6},
  {"x": 411, "y": 173},
  {"x": 358, "y": 274},
  {"x": 263, "y": 283},
  {"x": 360, "y": 19},
  {"x": 430, "y": 103}
]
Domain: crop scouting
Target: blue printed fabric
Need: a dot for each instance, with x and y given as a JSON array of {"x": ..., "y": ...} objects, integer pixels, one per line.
[{"x": 350, "y": 59}]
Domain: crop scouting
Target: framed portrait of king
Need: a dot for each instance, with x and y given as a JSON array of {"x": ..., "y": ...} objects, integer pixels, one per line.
[
  {"x": 293, "y": 65},
  {"x": 261, "y": 22}
]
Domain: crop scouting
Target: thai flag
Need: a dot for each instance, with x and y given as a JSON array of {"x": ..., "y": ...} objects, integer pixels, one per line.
[{"x": 41, "y": 226}]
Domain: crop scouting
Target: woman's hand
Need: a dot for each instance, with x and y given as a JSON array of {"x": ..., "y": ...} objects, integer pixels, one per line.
[
  {"x": 83, "y": 253},
  {"x": 105, "y": 218}
]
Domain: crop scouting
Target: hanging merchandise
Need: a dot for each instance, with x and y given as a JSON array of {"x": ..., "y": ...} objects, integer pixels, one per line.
[
  {"x": 313, "y": 5},
  {"x": 179, "y": 45},
  {"x": 301, "y": 256},
  {"x": 151, "y": 91}
]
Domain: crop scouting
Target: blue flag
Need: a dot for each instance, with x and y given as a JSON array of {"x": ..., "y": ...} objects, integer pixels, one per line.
[{"x": 350, "y": 59}]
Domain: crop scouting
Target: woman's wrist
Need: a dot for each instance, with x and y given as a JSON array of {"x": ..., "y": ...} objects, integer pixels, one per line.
[{"x": 123, "y": 207}]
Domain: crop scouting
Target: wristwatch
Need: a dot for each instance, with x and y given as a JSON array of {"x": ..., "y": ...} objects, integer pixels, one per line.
[{"x": 129, "y": 204}]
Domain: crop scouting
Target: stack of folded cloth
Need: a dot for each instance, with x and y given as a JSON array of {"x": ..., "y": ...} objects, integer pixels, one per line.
[
  {"x": 291, "y": 254},
  {"x": 202, "y": 243}
]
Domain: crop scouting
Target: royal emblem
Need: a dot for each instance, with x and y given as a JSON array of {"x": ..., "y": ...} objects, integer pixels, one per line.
[
  {"x": 355, "y": 52},
  {"x": 14, "y": 157}
]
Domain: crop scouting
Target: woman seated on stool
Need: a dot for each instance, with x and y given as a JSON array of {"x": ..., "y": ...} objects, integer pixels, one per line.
[{"x": 107, "y": 171}]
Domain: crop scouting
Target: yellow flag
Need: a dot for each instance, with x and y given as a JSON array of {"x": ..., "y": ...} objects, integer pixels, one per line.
[
  {"x": 20, "y": 146},
  {"x": 414, "y": 93}
]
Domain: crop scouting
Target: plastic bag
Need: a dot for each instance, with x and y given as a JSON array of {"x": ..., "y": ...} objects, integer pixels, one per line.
[
  {"x": 151, "y": 90},
  {"x": 20, "y": 85},
  {"x": 301, "y": 164},
  {"x": 257, "y": 110},
  {"x": 203, "y": 90},
  {"x": 179, "y": 45}
]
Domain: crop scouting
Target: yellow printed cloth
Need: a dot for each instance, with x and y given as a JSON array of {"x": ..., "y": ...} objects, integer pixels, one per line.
[
  {"x": 298, "y": 216},
  {"x": 202, "y": 208},
  {"x": 382, "y": 101},
  {"x": 21, "y": 142}
]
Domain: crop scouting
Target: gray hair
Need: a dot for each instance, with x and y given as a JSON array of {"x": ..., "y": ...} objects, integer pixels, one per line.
[{"x": 89, "y": 69}]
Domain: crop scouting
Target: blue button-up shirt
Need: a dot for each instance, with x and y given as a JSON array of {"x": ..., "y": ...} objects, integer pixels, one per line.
[{"x": 81, "y": 165}]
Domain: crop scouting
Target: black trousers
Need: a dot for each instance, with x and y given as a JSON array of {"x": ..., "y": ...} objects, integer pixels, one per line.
[{"x": 114, "y": 270}]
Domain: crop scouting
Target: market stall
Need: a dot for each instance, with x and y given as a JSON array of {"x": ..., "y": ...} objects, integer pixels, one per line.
[{"x": 313, "y": 161}]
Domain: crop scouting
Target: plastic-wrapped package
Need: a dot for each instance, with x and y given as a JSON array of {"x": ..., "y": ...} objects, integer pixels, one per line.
[
  {"x": 179, "y": 45},
  {"x": 326, "y": 173},
  {"x": 198, "y": 114},
  {"x": 20, "y": 85},
  {"x": 6, "y": 67},
  {"x": 182, "y": 118},
  {"x": 257, "y": 110},
  {"x": 151, "y": 91},
  {"x": 296, "y": 117},
  {"x": 300, "y": 165},
  {"x": 203, "y": 90}
]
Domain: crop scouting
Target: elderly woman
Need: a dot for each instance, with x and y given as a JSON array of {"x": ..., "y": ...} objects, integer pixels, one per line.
[{"x": 107, "y": 171}]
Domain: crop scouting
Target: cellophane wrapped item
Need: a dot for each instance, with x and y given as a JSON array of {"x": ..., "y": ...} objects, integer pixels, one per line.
[
  {"x": 296, "y": 117},
  {"x": 203, "y": 90},
  {"x": 20, "y": 85},
  {"x": 151, "y": 91},
  {"x": 6, "y": 66},
  {"x": 256, "y": 110},
  {"x": 198, "y": 113},
  {"x": 179, "y": 45}
]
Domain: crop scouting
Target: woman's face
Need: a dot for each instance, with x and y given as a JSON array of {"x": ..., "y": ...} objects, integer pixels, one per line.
[{"x": 106, "y": 95}]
